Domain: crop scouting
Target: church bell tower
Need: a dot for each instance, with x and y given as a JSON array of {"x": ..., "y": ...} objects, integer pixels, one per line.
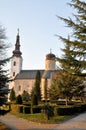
[
  {"x": 50, "y": 63},
  {"x": 16, "y": 61}
]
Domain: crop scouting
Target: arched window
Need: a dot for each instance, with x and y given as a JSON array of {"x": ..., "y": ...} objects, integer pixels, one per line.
[
  {"x": 14, "y": 63},
  {"x": 13, "y": 73}
]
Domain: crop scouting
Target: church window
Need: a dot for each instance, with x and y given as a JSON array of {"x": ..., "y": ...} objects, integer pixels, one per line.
[
  {"x": 14, "y": 63},
  {"x": 13, "y": 73},
  {"x": 19, "y": 88}
]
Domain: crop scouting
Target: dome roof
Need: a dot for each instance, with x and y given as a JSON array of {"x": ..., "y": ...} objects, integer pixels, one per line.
[{"x": 50, "y": 56}]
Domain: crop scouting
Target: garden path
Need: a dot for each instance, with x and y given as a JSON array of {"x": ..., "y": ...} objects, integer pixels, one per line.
[{"x": 15, "y": 123}]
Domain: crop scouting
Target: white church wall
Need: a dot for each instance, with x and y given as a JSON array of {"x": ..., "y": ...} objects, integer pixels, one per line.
[
  {"x": 50, "y": 65},
  {"x": 17, "y": 67},
  {"x": 24, "y": 84}
]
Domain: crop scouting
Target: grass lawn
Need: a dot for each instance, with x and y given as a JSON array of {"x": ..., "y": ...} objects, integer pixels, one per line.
[{"x": 38, "y": 117}]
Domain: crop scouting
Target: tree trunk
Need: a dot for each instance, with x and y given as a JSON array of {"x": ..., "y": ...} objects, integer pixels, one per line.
[{"x": 66, "y": 101}]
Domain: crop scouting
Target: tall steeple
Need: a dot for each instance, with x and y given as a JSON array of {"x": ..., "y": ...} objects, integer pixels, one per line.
[
  {"x": 16, "y": 61},
  {"x": 17, "y": 51}
]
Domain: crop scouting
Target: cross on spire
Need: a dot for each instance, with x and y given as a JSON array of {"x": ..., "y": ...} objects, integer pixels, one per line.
[
  {"x": 50, "y": 50},
  {"x": 18, "y": 31}
]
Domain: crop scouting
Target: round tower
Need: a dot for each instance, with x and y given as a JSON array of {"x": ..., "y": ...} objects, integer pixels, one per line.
[
  {"x": 16, "y": 61},
  {"x": 50, "y": 62}
]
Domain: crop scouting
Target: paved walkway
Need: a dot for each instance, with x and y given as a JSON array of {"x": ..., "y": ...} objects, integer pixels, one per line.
[{"x": 76, "y": 123}]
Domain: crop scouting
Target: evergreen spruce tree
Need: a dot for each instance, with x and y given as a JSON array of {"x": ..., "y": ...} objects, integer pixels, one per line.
[
  {"x": 72, "y": 63},
  {"x": 34, "y": 100},
  {"x": 25, "y": 96},
  {"x": 19, "y": 99},
  {"x": 37, "y": 85},
  {"x": 75, "y": 44},
  {"x": 4, "y": 79},
  {"x": 12, "y": 95},
  {"x": 54, "y": 90},
  {"x": 45, "y": 90}
]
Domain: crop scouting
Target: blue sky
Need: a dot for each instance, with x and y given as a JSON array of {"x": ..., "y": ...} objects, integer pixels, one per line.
[{"x": 38, "y": 24}]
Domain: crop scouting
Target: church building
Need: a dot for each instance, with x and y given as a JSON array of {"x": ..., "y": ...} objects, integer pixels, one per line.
[{"x": 25, "y": 79}]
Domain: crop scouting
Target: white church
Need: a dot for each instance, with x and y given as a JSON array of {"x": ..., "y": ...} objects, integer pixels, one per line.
[{"x": 25, "y": 79}]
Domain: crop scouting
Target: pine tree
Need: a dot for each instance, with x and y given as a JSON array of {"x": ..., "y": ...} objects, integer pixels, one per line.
[
  {"x": 53, "y": 90},
  {"x": 12, "y": 95},
  {"x": 72, "y": 63},
  {"x": 75, "y": 44},
  {"x": 45, "y": 90},
  {"x": 19, "y": 99},
  {"x": 37, "y": 85},
  {"x": 25, "y": 96},
  {"x": 4, "y": 79},
  {"x": 34, "y": 99}
]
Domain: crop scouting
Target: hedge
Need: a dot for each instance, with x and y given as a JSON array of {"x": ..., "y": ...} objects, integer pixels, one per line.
[
  {"x": 70, "y": 110},
  {"x": 20, "y": 109},
  {"x": 51, "y": 110},
  {"x": 36, "y": 109},
  {"x": 26, "y": 109}
]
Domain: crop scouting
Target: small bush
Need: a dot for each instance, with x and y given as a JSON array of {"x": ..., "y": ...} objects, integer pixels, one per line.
[
  {"x": 48, "y": 111},
  {"x": 14, "y": 108},
  {"x": 34, "y": 100},
  {"x": 19, "y": 99}
]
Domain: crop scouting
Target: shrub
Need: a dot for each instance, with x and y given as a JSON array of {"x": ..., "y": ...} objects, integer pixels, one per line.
[
  {"x": 34, "y": 99},
  {"x": 70, "y": 110},
  {"x": 12, "y": 95},
  {"x": 19, "y": 99},
  {"x": 14, "y": 108},
  {"x": 65, "y": 111},
  {"x": 25, "y": 96},
  {"x": 48, "y": 111}
]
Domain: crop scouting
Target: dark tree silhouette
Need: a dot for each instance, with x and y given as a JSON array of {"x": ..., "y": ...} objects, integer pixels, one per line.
[
  {"x": 73, "y": 63},
  {"x": 12, "y": 95},
  {"x": 4, "y": 79}
]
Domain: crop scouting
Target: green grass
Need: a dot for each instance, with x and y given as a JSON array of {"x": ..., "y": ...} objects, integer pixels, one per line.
[{"x": 38, "y": 117}]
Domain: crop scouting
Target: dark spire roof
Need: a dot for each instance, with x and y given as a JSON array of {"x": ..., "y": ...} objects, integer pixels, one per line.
[
  {"x": 50, "y": 56},
  {"x": 17, "y": 51}
]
